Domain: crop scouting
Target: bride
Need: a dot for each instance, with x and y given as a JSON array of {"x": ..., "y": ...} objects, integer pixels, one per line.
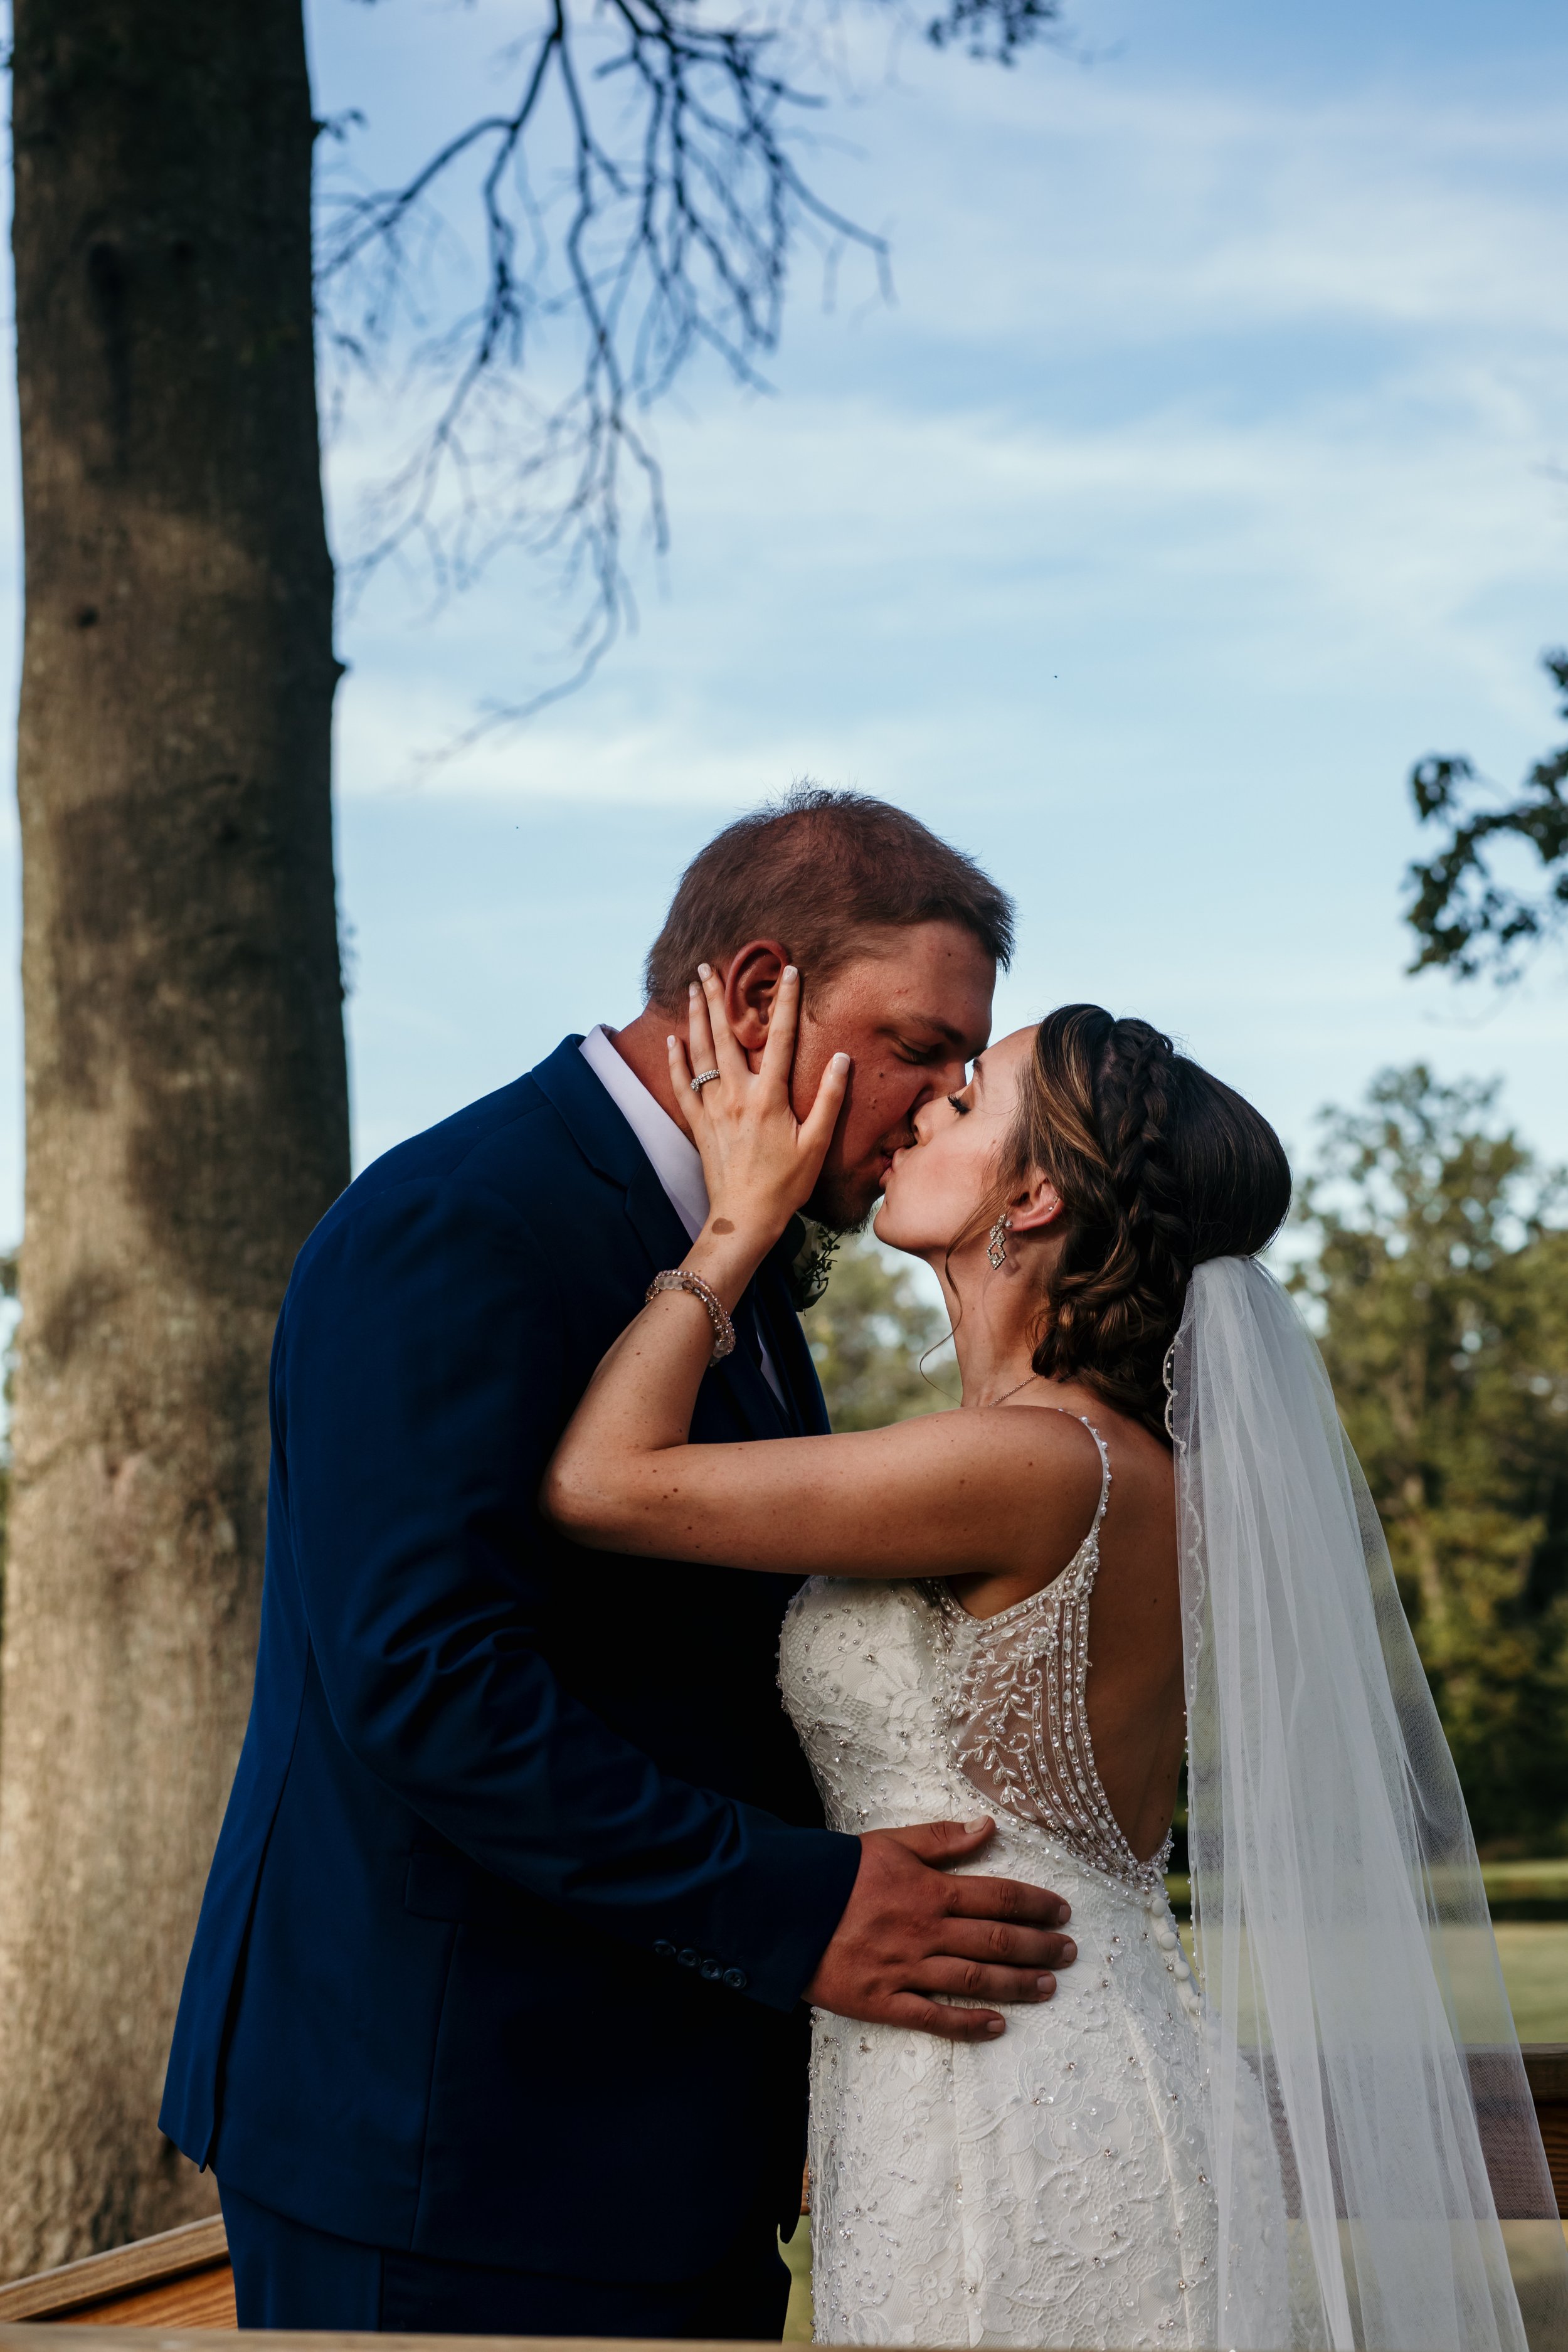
[{"x": 1292, "y": 2149}]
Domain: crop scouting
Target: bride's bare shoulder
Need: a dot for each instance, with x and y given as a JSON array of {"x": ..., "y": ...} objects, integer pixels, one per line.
[{"x": 1043, "y": 1480}]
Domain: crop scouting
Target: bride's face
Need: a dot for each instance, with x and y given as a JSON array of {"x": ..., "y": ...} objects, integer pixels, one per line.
[{"x": 937, "y": 1185}]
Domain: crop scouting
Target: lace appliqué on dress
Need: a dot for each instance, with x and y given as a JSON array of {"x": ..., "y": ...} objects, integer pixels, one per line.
[{"x": 1016, "y": 1701}]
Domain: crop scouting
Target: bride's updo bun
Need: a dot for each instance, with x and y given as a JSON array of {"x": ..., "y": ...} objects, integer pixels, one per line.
[{"x": 1159, "y": 1166}]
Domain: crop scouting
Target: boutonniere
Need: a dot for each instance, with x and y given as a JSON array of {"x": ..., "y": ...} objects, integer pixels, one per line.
[{"x": 811, "y": 1261}]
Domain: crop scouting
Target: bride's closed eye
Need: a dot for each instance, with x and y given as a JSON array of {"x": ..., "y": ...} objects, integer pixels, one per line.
[{"x": 959, "y": 1105}]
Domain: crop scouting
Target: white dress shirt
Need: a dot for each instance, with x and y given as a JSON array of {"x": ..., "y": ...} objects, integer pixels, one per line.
[{"x": 675, "y": 1159}]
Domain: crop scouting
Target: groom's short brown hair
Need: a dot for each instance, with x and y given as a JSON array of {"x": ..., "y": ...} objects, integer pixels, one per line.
[{"x": 815, "y": 871}]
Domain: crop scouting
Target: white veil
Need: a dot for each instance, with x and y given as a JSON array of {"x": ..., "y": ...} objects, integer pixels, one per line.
[{"x": 1348, "y": 1963}]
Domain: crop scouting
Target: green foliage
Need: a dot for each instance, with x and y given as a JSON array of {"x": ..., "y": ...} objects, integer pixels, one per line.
[
  {"x": 868, "y": 1334},
  {"x": 1441, "y": 1275},
  {"x": 1467, "y": 920}
]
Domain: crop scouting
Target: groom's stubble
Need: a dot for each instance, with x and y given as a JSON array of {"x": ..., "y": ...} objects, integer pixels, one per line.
[{"x": 911, "y": 1014}]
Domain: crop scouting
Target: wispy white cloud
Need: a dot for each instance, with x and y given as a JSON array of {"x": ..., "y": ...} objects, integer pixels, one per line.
[{"x": 1198, "y": 482}]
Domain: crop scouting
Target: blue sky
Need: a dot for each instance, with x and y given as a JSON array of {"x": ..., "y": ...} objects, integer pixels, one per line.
[{"x": 1200, "y": 477}]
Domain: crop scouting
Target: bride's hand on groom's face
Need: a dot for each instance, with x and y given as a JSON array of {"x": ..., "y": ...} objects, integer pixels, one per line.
[
  {"x": 761, "y": 1162},
  {"x": 912, "y": 1928}
]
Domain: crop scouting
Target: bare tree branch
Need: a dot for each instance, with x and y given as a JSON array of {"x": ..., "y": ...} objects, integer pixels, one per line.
[{"x": 641, "y": 202}]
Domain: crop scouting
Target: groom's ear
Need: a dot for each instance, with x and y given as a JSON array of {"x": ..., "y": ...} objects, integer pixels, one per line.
[{"x": 751, "y": 984}]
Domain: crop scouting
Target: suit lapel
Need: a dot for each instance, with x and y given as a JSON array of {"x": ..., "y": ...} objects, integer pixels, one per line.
[
  {"x": 788, "y": 1345},
  {"x": 607, "y": 1143},
  {"x": 764, "y": 1415}
]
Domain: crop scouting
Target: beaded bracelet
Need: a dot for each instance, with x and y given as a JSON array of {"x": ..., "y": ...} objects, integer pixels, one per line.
[{"x": 724, "y": 1329}]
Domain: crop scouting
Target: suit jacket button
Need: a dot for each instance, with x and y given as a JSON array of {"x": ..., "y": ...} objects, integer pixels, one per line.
[
  {"x": 736, "y": 1979},
  {"x": 688, "y": 1959},
  {"x": 711, "y": 1970},
  {"x": 665, "y": 1951}
]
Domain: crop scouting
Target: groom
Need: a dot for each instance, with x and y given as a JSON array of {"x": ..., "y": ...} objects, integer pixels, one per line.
[{"x": 494, "y": 2021}]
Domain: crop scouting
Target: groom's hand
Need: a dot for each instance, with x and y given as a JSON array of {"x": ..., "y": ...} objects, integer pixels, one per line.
[{"x": 911, "y": 1928}]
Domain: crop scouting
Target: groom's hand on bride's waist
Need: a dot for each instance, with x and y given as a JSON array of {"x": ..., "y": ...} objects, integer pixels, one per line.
[{"x": 913, "y": 1927}]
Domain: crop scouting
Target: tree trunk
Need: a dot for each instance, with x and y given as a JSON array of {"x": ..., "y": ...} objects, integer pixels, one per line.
[{"x": 186, "y": 1085}]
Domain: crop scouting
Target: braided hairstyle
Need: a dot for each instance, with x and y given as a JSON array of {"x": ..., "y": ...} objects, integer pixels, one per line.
[{"x": 1159, "y": 1167}]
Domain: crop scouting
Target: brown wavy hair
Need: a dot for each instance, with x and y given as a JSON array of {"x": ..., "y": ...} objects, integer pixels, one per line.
[{"x": 1159, "y": 1166}]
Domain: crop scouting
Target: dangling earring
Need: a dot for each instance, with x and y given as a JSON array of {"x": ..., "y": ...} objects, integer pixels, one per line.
[{"x": 996, "y": 1246}]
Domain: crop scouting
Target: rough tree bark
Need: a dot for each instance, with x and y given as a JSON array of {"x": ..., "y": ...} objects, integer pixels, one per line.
[{"x": 186, "y": 1096}]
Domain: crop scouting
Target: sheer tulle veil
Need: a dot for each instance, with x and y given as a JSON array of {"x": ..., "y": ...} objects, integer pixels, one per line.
[{"x": 1348, "y": 1963}]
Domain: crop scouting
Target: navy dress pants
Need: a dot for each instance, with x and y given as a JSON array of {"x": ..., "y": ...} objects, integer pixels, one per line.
[{"x": 287, "y": 2274}]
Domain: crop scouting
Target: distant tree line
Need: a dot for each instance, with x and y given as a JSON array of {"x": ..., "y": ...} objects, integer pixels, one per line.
[
  {"x": 1439, "y": 1265},
  {"x": 871, "y": 1335}
]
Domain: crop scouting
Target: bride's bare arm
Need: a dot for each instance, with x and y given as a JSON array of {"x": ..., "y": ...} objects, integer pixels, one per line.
[{"x": 954, "y": 1493}]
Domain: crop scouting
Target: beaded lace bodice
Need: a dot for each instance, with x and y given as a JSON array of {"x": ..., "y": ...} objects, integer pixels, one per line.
[
  {"x": 1050, "y": 2186},
  {"x": 1017, "y": 1698}
]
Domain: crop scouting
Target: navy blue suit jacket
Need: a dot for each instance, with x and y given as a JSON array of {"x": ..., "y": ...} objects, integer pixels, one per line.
[{"x": 522, "y": 1874}]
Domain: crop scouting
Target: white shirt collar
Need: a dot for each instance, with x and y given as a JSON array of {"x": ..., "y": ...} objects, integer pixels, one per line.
[{"x": 675, "y": 1158}]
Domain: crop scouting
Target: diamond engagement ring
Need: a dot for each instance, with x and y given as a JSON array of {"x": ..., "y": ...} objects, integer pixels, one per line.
[{"x": 704, "y": 1078}]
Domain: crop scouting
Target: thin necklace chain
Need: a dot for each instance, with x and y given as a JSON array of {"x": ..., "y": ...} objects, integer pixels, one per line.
[{"x": 1013, "y": 1393}]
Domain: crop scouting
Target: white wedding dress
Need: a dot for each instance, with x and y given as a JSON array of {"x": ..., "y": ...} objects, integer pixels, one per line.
[{"x": 1051, "y": 2187}]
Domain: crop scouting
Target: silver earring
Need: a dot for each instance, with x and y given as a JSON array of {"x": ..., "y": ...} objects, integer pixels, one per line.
[{"x": 996, "y": 1246}]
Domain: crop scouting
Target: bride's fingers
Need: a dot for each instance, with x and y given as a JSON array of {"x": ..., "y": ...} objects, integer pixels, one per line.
[
  {"x": 817, "y": 1127},
  {"x": 783, "y": 1021},
  {"x": 680, "y": 1067},
  {"x": 727, "y": 1059},
  {"x": 699, "y": 1030}
]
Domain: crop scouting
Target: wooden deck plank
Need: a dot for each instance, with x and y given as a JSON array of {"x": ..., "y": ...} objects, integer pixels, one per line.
[
  {"x": 44, "y": 2337},
  {"x": 149, "y": 2263},
  {"x": 205, "y": 2299}
]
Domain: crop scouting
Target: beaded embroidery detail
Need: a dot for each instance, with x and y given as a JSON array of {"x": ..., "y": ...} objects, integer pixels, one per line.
[{"x": 1016, "y": 1689}]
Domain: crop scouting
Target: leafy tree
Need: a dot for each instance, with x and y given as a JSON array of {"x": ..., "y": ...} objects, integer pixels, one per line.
[
  {"x": 1441, "y": 1272},
  {"x": 869, "y": 1334},
  {"x": 1467, "y": 918}
]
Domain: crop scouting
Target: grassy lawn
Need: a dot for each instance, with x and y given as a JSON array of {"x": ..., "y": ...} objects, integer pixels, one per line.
[
  {"x": 1527, "y": 1890},
  {"x": 1534, "y": 1954},
  {"x": 1515, "y": 1890},
  {"x": 797, "y": 2254}
]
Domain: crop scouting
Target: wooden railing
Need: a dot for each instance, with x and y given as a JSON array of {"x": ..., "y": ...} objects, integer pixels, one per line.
[
  {"x": 182, "y": 2279},
  {"x": 1546, "y": 2065}
]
